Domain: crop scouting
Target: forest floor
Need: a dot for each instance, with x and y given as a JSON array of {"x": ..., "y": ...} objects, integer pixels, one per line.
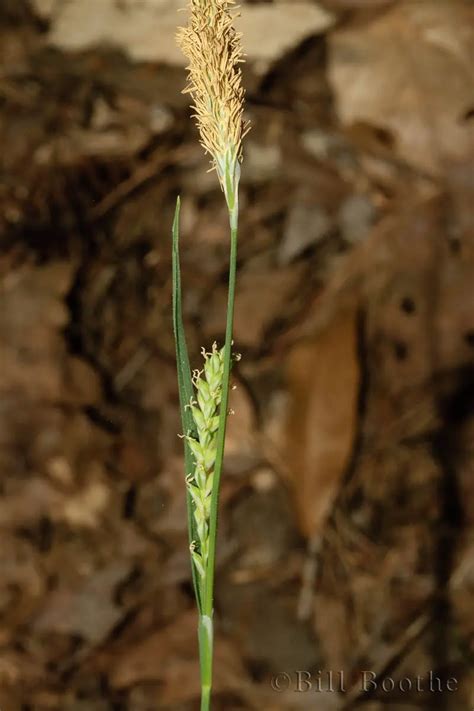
[{"x": 347, "y": 509}]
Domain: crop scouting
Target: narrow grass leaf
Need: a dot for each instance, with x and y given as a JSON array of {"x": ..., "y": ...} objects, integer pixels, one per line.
[{"x": 185, "y": 385}]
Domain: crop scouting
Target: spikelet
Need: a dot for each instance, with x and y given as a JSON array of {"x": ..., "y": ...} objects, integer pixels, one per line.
[
  {"x": 213, "y": 48},
  {"x": 205, "y": 411}
]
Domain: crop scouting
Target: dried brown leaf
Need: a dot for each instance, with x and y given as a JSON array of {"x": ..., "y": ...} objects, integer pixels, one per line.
[
  {"x": 409, "y": 72},
  {"x": 323, "y": 385}
]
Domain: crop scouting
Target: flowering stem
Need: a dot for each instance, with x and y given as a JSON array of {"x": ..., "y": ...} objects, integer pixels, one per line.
[
  {"x": 205, "y": 622},
  {"x": 209, "y": 592},
  {"x": 212, "y": 45}
]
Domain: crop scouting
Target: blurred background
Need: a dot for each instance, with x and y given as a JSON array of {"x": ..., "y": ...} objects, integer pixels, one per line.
[{"x": 347, "y": 509}]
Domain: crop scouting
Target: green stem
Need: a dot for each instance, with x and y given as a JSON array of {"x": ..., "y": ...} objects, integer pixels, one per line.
[
  {"x": 208, "y": 591},
  {"x": 205, "y": 698},
  {"x": 205, "y": 635}
]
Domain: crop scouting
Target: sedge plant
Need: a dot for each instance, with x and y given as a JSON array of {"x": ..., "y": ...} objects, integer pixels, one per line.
[{"x": 213, "y": 48}]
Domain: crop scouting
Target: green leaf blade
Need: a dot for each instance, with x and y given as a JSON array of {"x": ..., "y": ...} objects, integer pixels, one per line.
[{"x": 185, "y": 385}]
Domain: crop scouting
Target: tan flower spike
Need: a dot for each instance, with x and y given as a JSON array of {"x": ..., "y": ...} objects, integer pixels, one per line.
[{"x": 213, "y": 48}]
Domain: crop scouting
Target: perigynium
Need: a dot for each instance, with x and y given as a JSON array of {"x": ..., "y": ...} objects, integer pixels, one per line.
[
  {"x": 213, "y": 48},
  {"x": 205, "y": 412}
]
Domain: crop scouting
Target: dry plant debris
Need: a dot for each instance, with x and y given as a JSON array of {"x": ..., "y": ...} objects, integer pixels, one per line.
[{"x": 354, "y": 423}]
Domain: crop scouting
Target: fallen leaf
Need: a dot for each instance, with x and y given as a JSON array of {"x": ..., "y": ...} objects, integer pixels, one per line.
[
  {"x": 409, "y": 71},
  {"x": 272, "y": 30},
  {"x": 269, "y": 30},
  {"x": 306, "y": 225},
  {"x": 89, "y": 610},
  {"x": 323, "y": 385}
]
